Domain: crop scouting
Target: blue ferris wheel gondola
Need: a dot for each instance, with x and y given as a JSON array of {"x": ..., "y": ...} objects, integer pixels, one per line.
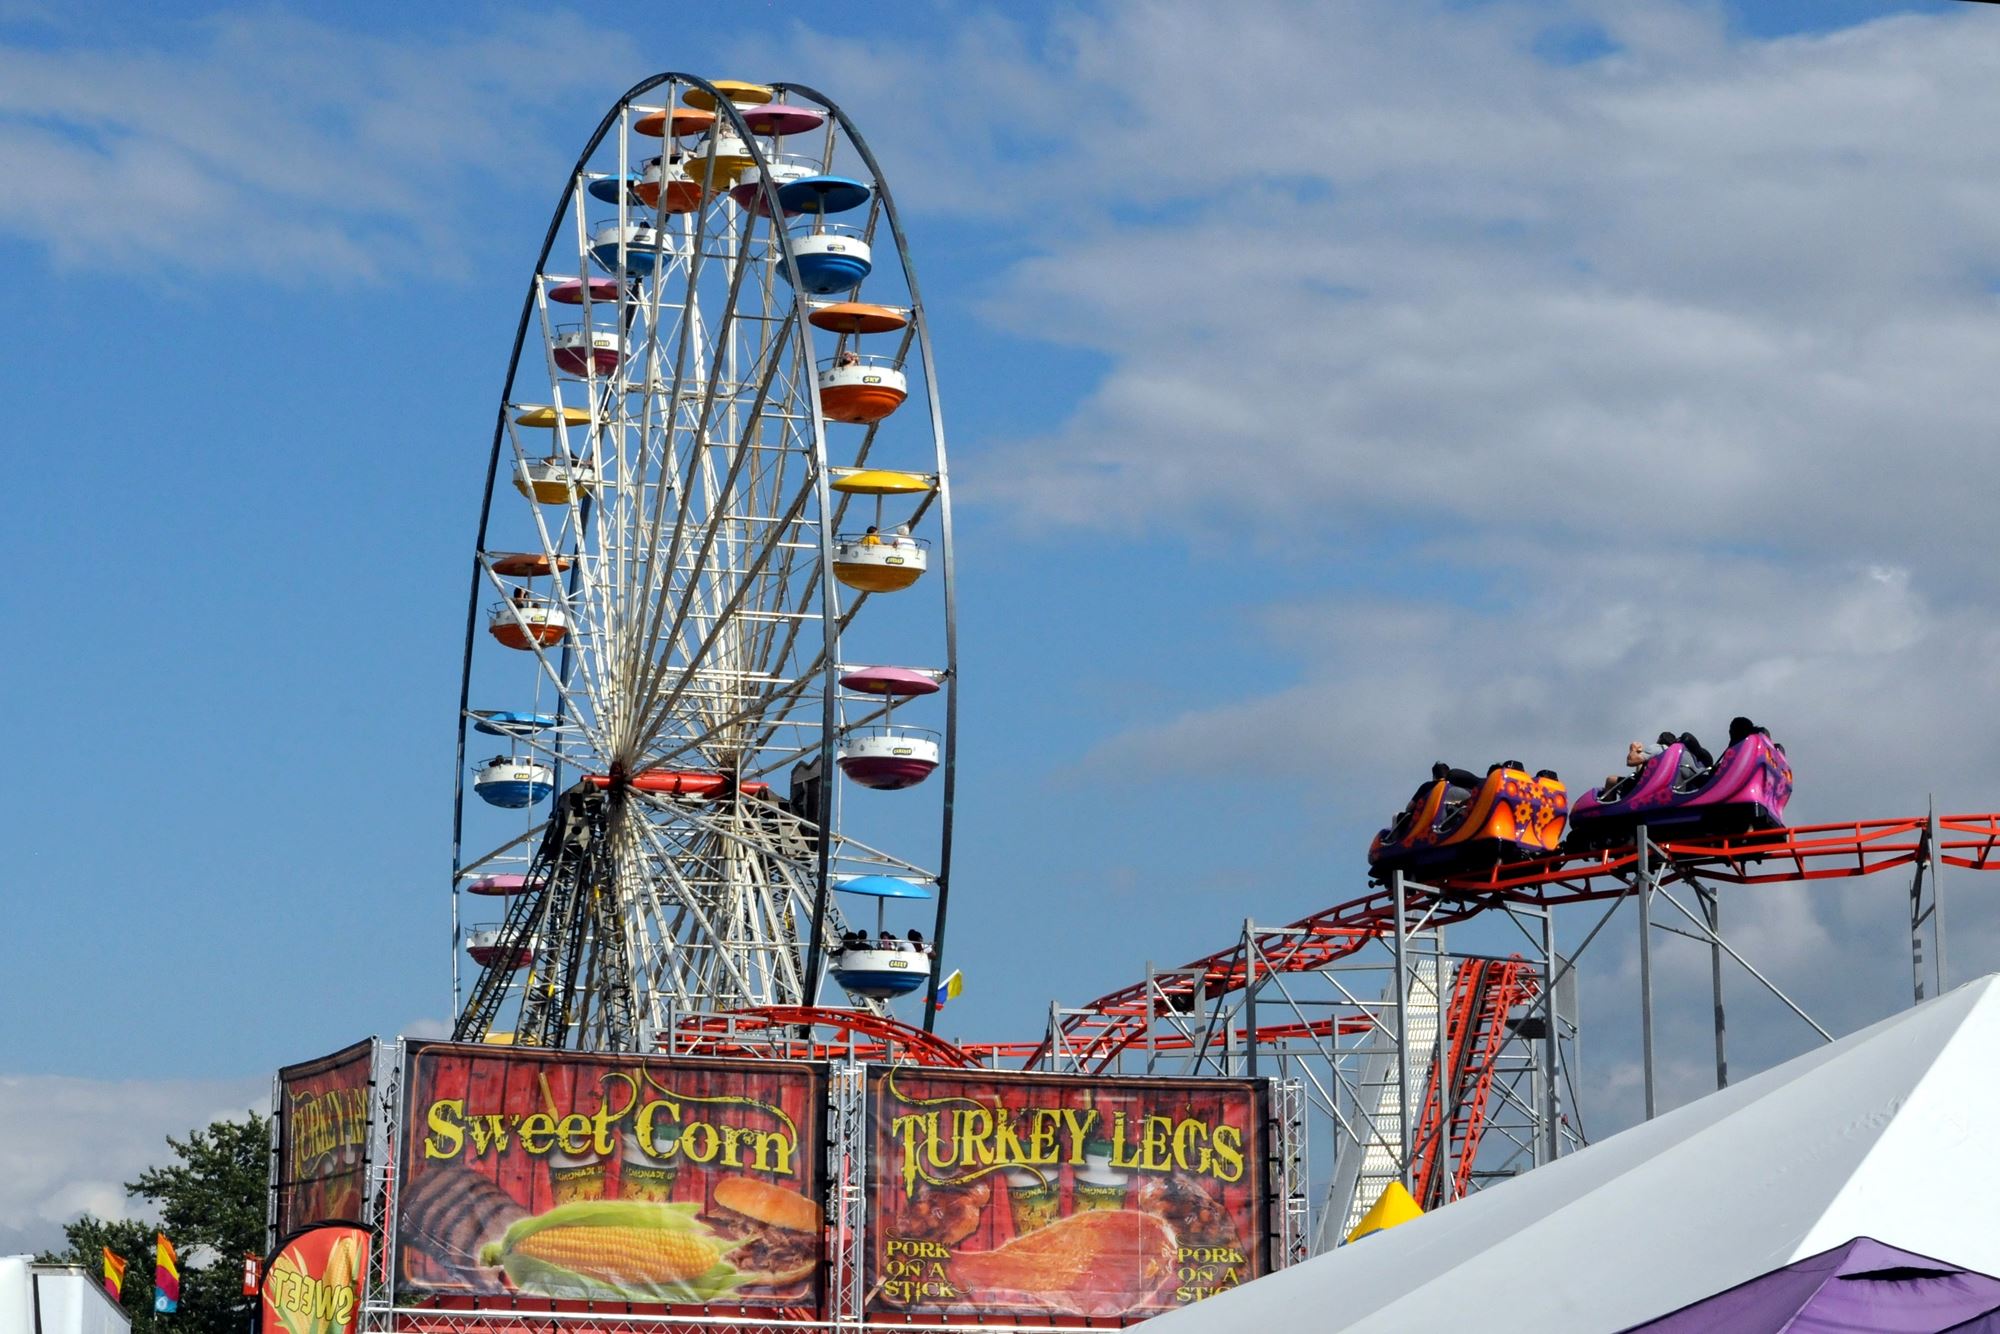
[
  {"x": 512, "y": 783},
  {"x": 835, "y": 260},
  {"x": 883, "y": 887},
  {"x": 823, "y": 194},
  {"x": 611, "y": 189},
  {"x": 641, "y": 248},
  {"x": 508, "y": 722}
]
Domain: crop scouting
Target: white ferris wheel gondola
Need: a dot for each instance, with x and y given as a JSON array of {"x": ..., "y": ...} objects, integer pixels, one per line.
[{"x": 712, "y": 424}]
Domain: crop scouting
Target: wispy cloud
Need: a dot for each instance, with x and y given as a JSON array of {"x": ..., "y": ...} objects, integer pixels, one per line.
[
  {"x": 268, "y": 145},
  {"x": 90, "y": 1136}
]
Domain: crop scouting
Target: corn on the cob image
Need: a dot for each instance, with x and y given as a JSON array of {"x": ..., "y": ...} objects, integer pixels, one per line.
[
  {"x": 624, "y": 1254},
  {"x": 619, "y": 1250},
  {"x": 343, "y": 1264}
]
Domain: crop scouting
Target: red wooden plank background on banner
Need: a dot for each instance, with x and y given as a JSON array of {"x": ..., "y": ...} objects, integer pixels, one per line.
[
  {"x": 561, "y": 1178},
  {"x": 1041, "y": 1196}
]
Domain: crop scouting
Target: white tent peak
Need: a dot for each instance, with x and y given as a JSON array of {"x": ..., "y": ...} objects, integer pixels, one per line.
[{"x": 1886, "y": 1133}]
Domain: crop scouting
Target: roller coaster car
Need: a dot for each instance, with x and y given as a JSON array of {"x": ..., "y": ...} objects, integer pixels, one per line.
[
  {"x": 1511, "y": 816},
  {"x": 1746, "y": 789}
]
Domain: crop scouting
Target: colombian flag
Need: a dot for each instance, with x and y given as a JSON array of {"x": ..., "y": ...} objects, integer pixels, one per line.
[
  {"x": 114, "y": 1274},
  {"x": 166, "y": 1278}
]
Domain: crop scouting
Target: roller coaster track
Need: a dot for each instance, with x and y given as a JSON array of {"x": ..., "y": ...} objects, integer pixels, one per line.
[
  {"x": 1484, "y": 992},
  {"x": 1094, "y": 1035}
]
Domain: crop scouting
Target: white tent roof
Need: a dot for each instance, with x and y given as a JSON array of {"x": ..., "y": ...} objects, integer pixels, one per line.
[{"x": 1888, "y": 1133}]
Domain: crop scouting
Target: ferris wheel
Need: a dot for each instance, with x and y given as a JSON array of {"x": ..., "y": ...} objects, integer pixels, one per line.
[{"x": 709, "y": 683}]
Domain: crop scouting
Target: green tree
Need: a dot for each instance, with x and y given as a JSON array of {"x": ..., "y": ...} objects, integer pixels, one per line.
[{"x": 210, "y": 1201}]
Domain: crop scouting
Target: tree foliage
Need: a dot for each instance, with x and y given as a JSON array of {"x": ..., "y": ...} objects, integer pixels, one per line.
[{"x": 210, "y": 1202}]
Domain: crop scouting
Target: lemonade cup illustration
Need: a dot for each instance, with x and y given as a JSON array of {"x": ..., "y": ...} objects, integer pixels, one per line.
[
  {"x": 643, "y": 1173},
  {"x": 1099, "y": 1185},
  {"x": 574, "y": 1177},
  {"x": 1031, "y": 1197}
]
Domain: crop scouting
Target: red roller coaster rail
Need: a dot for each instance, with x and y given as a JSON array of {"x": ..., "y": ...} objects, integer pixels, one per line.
[{"x": 1095, "y": 1034}]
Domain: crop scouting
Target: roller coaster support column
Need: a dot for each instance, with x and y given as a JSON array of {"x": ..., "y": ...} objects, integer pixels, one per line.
[
  {"x": 1550, "y": 1146},
  {"x": 1711, "y": 911},
  {"x": 1250, "y": 997},
  {"x": 1402, "y": 995},
  {"x": 1921, "y": 913},
  {"x": 1645, "y": 881}
]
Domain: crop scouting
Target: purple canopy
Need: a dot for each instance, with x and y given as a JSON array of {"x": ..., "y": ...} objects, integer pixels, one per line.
[{"x": 1863, "y": 1285}]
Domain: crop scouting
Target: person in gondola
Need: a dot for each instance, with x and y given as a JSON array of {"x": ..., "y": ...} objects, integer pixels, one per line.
[
  {"x": 1460, "y": 784},
  {"x": 916, "y": 940},
  {"x": 848, "y": 357},
  {"x": 871, "y": 538},
  {"x": 1742, "y": 729},
  {"x": 1695, "y": 761}
]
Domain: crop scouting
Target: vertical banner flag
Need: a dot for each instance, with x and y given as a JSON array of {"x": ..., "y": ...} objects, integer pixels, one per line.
[
  {"x": 114, "y": 1274},
  {"x": 994, "y": 1194},
  {"x": 253, "y": 1275},
  {"x": 166, "y": 1278},
  {"x": 313, "y": 1283},
  {"x": 558, "y": 1176}
]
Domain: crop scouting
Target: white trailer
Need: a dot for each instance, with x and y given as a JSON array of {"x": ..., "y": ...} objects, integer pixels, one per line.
[{"x": 55, "y": 1299}]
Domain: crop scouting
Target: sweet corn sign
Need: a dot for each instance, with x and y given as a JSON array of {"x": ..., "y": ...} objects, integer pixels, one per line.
[
  {"x": 313, "y": 1283},
  {"x": 1004, "y": 1194},
  {"x": 565, "y": 1177}
]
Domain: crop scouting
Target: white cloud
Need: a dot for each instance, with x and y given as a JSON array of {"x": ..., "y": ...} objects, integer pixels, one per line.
[
  {"x": 1355, "y": 266},
  {"x": 271, "y": 146},
  {"x": 71, "y": 1144}
]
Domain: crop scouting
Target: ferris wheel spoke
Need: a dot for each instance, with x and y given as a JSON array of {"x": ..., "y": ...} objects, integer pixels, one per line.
[
  {"x": 685, "y": 343},
  {"x": 699, "y": 566},
  {"x": 700, "y": 569},
  {"x": 668, "y": 699},
  {"x": 688, "y": 902}
]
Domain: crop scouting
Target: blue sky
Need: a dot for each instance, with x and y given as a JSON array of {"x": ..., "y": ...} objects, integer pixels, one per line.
[{"x": 1545, "y": 374}]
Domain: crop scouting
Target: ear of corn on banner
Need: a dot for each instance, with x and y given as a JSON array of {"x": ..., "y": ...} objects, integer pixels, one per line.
[
  {"x": 313, "y": 1284},
  {"x": 617, "y": 1250}
]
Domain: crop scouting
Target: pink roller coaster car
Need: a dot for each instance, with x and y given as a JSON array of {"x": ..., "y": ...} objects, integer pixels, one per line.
[{"x": 1746, "y": 789}]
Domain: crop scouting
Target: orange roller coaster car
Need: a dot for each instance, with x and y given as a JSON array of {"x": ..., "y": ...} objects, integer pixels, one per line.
[{"x": 1449, "y": 826}]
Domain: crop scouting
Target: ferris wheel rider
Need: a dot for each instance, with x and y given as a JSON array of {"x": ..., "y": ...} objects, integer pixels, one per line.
[
  {"x": 871, "y": 538},
  {"x": 847, "y": 357}
]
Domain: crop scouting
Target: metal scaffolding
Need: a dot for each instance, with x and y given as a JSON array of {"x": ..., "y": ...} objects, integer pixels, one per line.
[{"x": 1368, "y": 1011}]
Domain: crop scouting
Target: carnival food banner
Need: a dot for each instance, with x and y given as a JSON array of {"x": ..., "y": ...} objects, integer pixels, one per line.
[
  {"x": 323, "y": 1124},
  {"x": 572, "y": 1177},
  {"x": 997, "y": 1194},
  {"x": 313, "y": 1283}
]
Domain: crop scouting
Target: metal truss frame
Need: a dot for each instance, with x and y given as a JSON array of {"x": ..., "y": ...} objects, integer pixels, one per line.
[
  {"x": 1298, "y": 999},
  {"x": 846, "y": 1209}
]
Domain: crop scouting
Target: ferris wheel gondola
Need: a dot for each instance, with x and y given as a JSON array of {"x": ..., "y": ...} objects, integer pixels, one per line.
[{"x": 670, "y": 572}]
